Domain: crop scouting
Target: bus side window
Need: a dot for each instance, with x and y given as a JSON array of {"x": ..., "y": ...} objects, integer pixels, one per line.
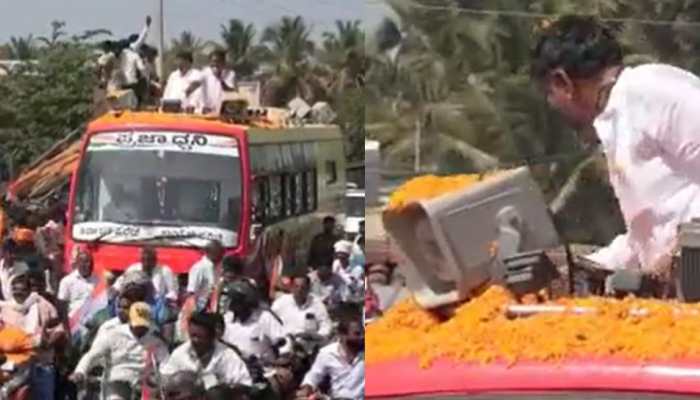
[
  {"x": 288, "y": 195},
  {"x": 299, "y": 193},
  {"x": 260, "y": 200},
  {"x": 310, "y": 183},
  {"x": 331, "y": 172},
  {"x": 275, "y": 206}
]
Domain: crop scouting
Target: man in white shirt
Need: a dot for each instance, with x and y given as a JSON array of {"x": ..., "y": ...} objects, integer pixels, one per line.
[
  {"x": 646, "y": 119},
  {"x": 183, "y": 82},
  {"x": 131, "y": 350},
  {"x": 328, "y": 286},
  {"x": 251, "y": 329},
  {"x": 202, "y": 278},
  {"x": 77, "y": 287},
  {"x": 343, "y": 362},
  {"x": 8, "y": 265},
  {"x": 300, "y": 309},
  {"x": 161, "y": 276},
  {"x": 213, "y": 362},
  {"x": 216, "y": 80}
]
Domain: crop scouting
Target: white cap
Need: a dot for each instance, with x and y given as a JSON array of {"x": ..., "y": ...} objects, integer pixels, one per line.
[{"x": 343, "y": 246}]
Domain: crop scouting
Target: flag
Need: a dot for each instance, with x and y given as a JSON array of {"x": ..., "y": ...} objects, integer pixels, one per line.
[{"x": 97, "y": 301}]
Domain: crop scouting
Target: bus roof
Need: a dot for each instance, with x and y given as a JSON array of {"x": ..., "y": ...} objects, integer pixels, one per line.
[
  {"x": 156, "y": 118},
  {"x": 256, "y": 134}
]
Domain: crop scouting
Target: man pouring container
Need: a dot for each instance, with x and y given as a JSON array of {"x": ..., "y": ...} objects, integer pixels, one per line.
[{"x": 647, "y": 120}]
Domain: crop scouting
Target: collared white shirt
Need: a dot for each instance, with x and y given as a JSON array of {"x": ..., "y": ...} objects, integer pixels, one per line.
[
  {"x": 294, "y": 316},
  {"x": 162, "y": 278},
  {"x": 131, "y": 65},
  {"x": 211, "y": 94},
  {"x": 225, "y": 366},
  {"x": 347, "y": 378},
  {"x": 104, "y": 334},
  {"x": 254, "y": 336},
  {"x": 201, "y": 280},
  {"x": 650, "y": 134},
  {"x": 177, "y": 86},
  {"x": 6, "y": 274},
  {"x": 335, "y": 289},
  {"x": 75, "y": 289},
  {"x": 128, "y": 355}
]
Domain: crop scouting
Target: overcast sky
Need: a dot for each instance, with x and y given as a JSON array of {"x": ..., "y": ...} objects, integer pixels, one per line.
[{"x": 202, "y": 17}]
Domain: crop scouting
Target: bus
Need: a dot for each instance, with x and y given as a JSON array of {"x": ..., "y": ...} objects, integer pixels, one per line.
[{"x": 178, "y": 181}]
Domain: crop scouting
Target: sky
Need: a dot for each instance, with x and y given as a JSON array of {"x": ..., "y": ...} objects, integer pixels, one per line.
[{"x": 202, "y": 17}]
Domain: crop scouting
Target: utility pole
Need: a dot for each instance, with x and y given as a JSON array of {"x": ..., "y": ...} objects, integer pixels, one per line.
[
  {"x": 417, "y": 143},
  {"x": 161, "y": 41}
]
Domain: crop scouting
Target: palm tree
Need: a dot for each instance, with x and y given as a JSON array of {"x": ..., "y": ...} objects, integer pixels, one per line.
[
  {"x": 290, "y": 49},
  {"x": 239, "y": 40},
  {"x": 343, "y": 55},
  {"x": 22, "y": 48}
]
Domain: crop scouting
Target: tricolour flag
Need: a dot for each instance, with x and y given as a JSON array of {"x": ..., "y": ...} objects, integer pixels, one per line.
[{"x": 97, "y": 302}]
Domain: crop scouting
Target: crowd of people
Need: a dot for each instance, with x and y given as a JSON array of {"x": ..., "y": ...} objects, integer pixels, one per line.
[
  {"x": 223, "y": 331},
  {"x": 130, "y": 65}
]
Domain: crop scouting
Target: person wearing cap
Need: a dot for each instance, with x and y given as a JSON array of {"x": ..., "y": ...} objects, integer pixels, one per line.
[
  {"x": 353, "y": 274},
  {"x": 213, "y": 362},
  {"x": 132, "y": 348},
  {"x": 77, "y": 287},
  {"x": 8, "y": 264},
  {"x": 249, "y": 327},
  {"x": 300, "y": 307}
]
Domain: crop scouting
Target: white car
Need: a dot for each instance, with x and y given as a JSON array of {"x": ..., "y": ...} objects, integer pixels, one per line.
[{"x": 354, "y": 210}]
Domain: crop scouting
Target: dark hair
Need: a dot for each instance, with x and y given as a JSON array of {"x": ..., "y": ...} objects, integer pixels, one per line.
[
  {"x": 234, "y": 264},
  {"x": 185, "y": 55},
  {"x": 205, "y": 320},
  {"x": 580, "y": 45},
  {"x": 329, "y": 218},
  {"x": 221, "y": 53}
]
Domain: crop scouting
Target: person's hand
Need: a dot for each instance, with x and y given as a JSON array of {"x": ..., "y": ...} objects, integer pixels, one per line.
[
  {"x": 77, "y": 378},
  {"x": 304, "y": 393},
  {"x": 148, "y": 20}
]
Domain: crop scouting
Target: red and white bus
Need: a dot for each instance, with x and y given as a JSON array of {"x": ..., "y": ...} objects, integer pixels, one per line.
[{"x": 177, "y": 181}]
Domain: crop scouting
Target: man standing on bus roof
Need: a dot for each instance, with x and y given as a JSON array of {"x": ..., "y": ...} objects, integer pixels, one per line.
[
  {"x": 202, "y": 278},
  {"x": 216, "y": 80},
  {"x": 183, "y": 82},
  {"x": 647, "y": 120}
]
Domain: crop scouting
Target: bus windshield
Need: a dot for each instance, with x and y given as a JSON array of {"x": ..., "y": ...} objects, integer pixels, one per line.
[{"x": 163, "y": 186}]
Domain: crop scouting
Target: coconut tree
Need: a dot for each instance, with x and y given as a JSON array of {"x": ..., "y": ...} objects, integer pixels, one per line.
[
  {"x": 289, "y": 59},
  {"x": 343, "y": 55},
  {"x": 244, "y": 52},
  {"x": 22, "y": 48}
]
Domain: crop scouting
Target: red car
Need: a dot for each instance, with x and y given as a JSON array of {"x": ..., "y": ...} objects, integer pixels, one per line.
[{"x": 571, "y": 380}]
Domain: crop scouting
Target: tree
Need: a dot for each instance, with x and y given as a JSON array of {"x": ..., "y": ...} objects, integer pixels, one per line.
[
  {"x": 239, "y": 41},
  {"x": 43, "y": 101},
  {"x": 289, "y": 59},
  {"x": 343, "y": 56},
  {"x": 57, "y": 33},
  {"x": 22, "y": 48}
]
